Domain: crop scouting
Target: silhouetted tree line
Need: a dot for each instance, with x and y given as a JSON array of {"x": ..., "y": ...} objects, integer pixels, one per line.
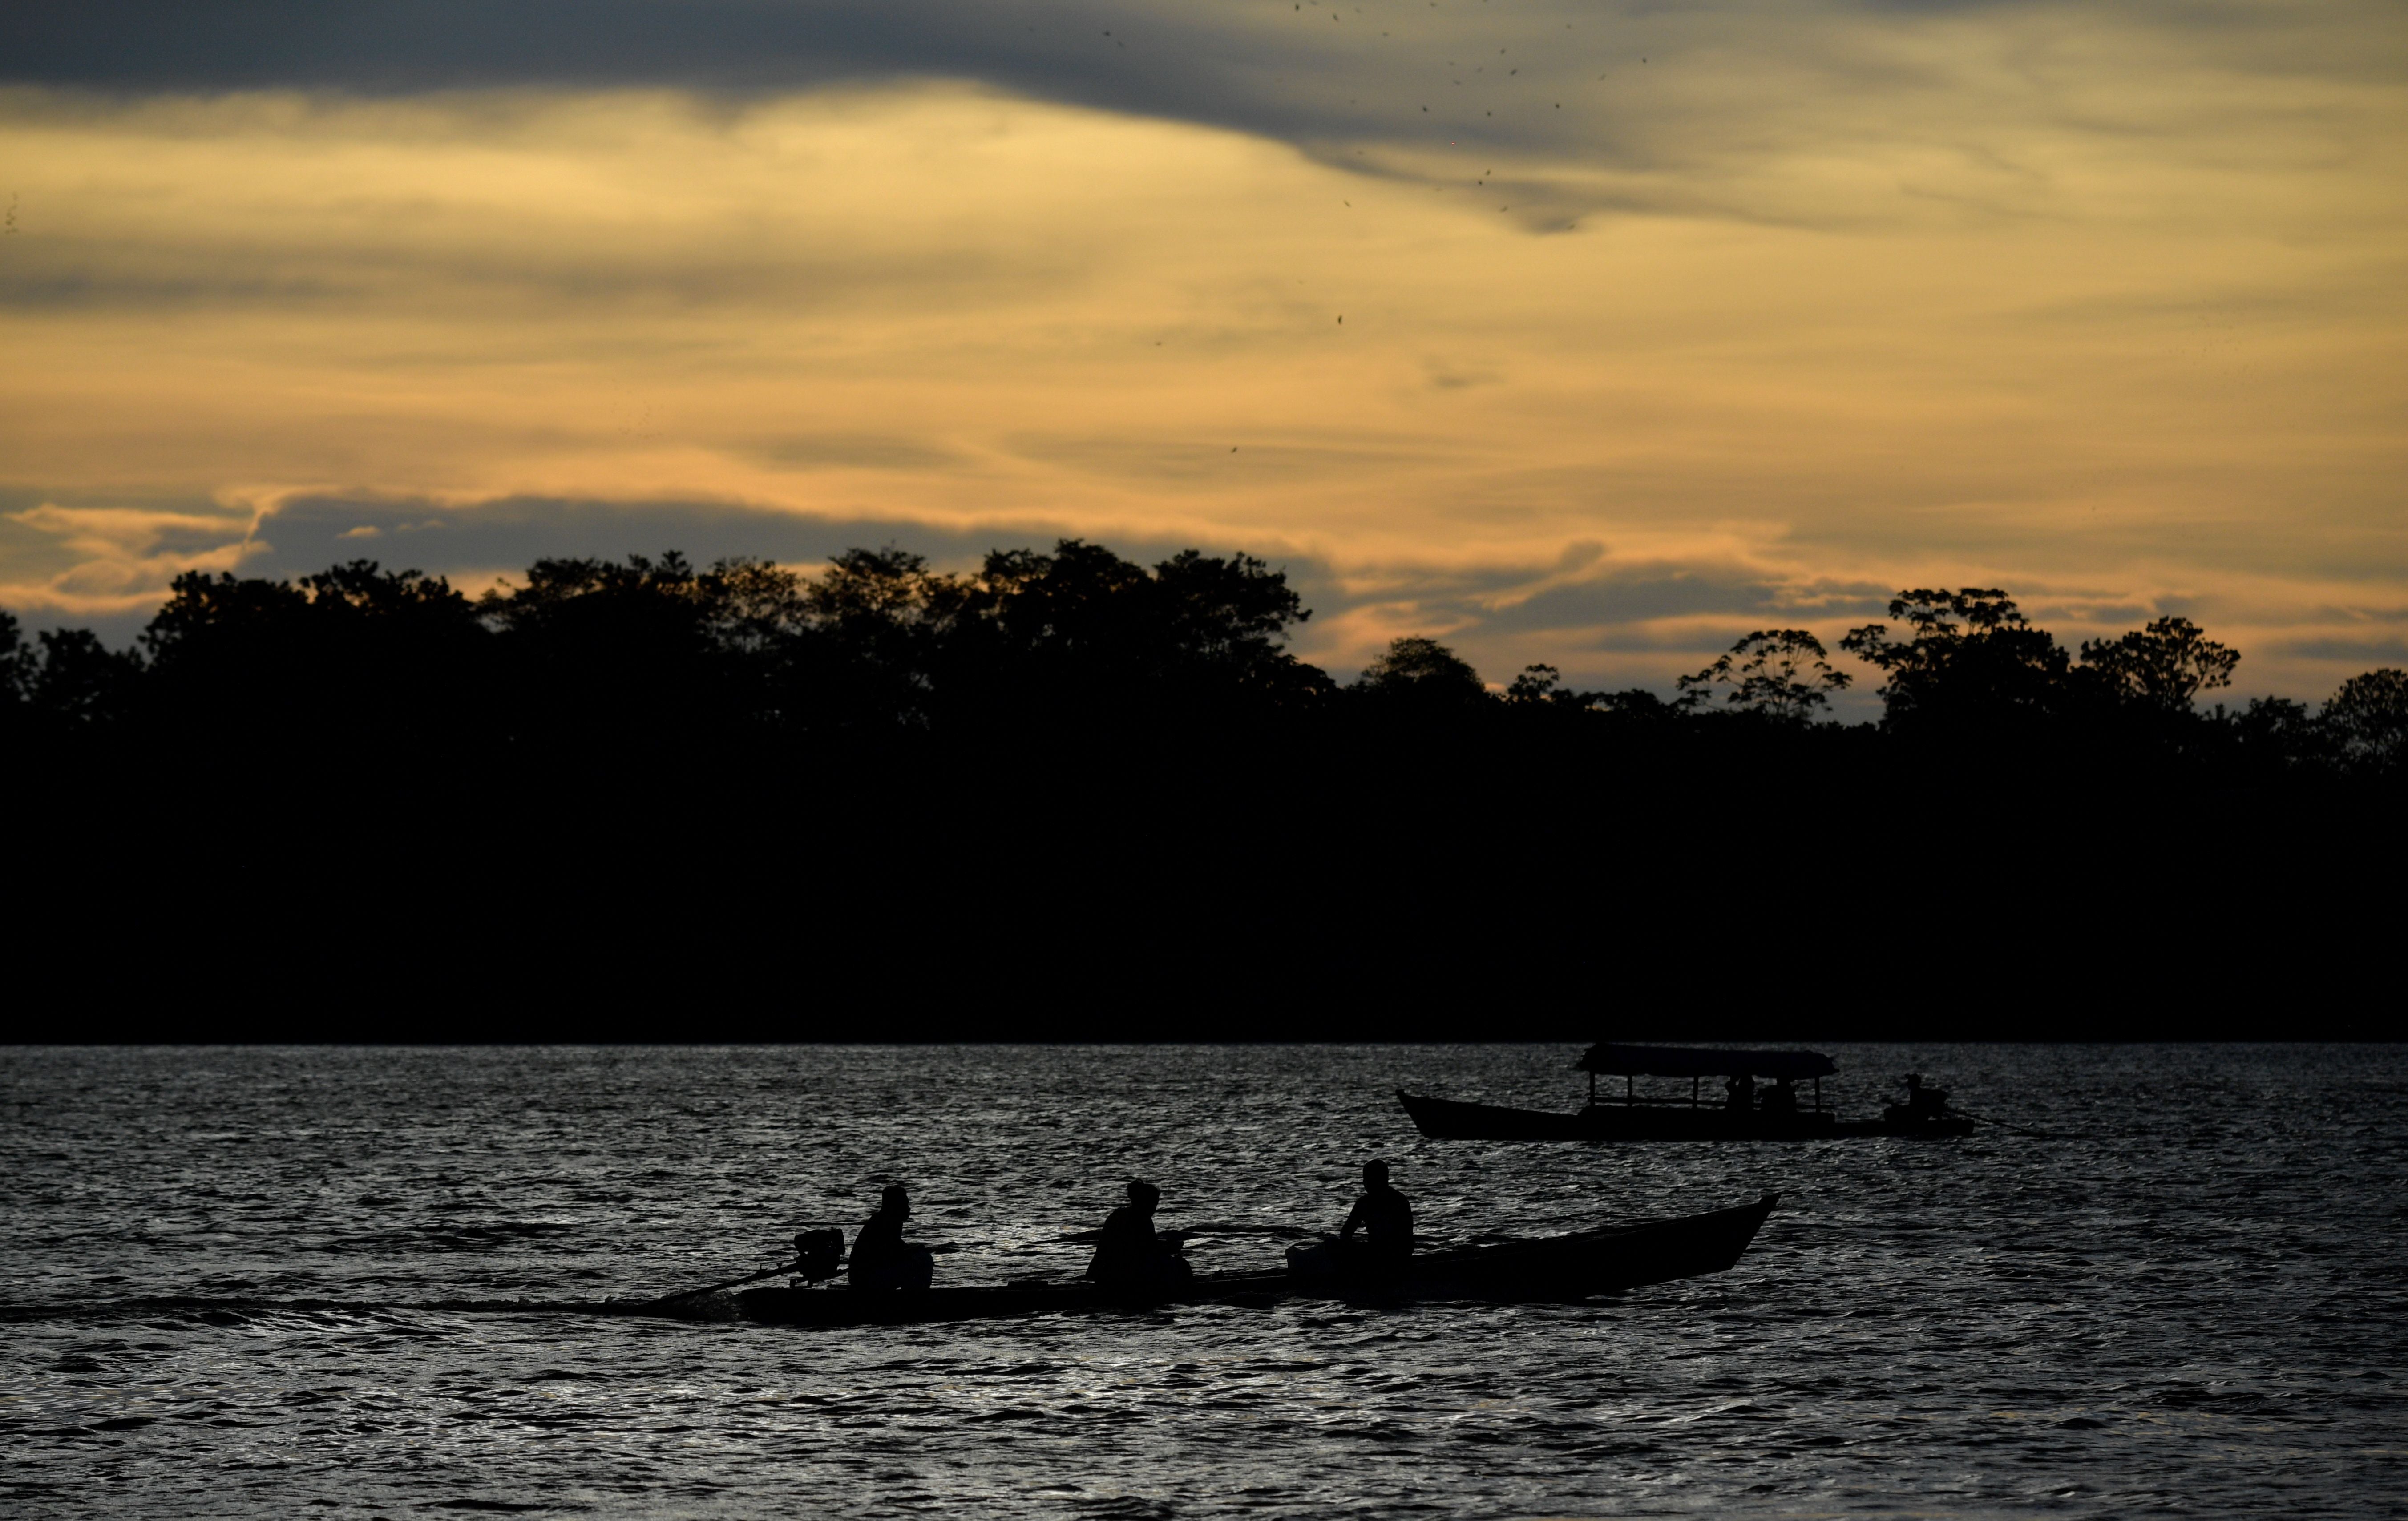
[
  {"x": 744, "y": 801},
  {"x": 881, "y": 655},
  {"x": 652, "y": 652}
]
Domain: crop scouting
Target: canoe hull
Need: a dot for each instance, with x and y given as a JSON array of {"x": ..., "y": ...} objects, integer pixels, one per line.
[
  {"x": 1444, "y": 1119},
  {"x": 1606, "y": 1261},
  {"x": 1557, "y": 1268},
  {"x": 920, "y": 1307}
]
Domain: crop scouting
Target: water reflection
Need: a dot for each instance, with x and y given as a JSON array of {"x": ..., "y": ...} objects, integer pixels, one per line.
[{"x": 235, "y": 1282}]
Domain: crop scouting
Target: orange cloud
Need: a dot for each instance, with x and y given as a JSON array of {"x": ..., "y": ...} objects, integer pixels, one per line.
[{"x": 2131, "y": 367}]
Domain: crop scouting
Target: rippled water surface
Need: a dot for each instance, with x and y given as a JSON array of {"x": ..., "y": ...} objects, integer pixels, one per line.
[{"x": 252, "y": 1282}]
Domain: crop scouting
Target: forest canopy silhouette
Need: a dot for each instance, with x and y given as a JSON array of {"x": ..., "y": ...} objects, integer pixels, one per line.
[
  {"x": 609, "y": 661},
  {"x": 1078, "y": 778}
]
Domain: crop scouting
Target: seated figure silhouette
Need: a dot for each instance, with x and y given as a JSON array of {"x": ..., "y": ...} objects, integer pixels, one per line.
[
  {"x": 1383, "y": 1215},
  {"x": 1742, "y": 1090},
  {"x": 1130, "y": 1258},
  {"x": 881, "y": 1259},
  {"x": 1924, "y": 1103},
  {"x": 1779, "y": 1100}
]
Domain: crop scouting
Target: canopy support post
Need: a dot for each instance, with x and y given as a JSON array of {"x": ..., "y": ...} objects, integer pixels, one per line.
[
  {"x": 1630, "y": 1088},
  {"x": 1818, "y": 1095},
  {"x": 1693, "y": 1081},
  {"x": 1592, "y": 1090}
]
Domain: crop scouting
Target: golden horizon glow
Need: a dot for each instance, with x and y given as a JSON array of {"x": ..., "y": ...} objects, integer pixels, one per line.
[{"x": 1541, "y": 409}]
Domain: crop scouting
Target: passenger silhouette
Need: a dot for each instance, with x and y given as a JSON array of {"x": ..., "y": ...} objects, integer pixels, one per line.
[
  {"x": 1922, "y": 1102},
  {"x": 1131, "y": 1258},
  {"x": 1742, "y": 1090},
  {"x": 1781, "y": 1098},
  {"x": 881, "y": 1259},
  {"x": 1385, "y": 1216}
]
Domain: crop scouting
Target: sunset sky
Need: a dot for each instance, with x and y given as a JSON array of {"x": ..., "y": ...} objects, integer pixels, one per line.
[{"x": 1598, "y": 333}]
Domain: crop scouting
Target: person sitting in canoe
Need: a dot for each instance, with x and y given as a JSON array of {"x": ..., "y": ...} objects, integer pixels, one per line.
[
  {"x": 1741, "y": 1092},
  {"x": 1924, "y": 1103},
  {"x": 881, "y": 1259},
  {"x": 1129, "y": 1257},
  {"x": 1385, "y": 1216},
  {"x": 1781, "y": 1098}
]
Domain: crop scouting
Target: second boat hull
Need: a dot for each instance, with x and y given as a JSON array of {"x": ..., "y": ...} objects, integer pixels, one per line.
[{"x": 1444, "y": 1119}]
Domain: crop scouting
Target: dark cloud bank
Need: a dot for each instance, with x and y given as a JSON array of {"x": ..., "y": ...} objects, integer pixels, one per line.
[
  {"x": 1182, "y": 61},
  {"x": 1552, "y": 78}
]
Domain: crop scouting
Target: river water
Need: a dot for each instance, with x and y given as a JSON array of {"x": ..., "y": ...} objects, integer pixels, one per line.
[{"x": 350, "y": 1281}]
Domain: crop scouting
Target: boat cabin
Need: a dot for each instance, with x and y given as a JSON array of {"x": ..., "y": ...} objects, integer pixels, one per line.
[
  {"x": 1697, "y": 1063},
  {"x": 1736, "y": 1113}
]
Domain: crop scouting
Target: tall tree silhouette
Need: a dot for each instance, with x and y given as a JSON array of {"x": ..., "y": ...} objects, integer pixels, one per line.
[
  {"x": 2370, "y": 717},
  {"x": 1541, "y": 688},
  {"x": 1419, "y": 674},
  {"x": 354, "y": 654},
  {"x": 2274, "y": 736},
  {"x": 2162, "y": 667},
  {"x": 864, "y": 647},
  {"x": 1080, "y": 635},
  {"x": 64, "y": 683},
  {"x": 18, "y": 666},
  {"x": 1777, "y": 673},
  {"x": 81, "y": 685},
  {"x": 624, "y": 654},
  {"x": 1972, "y": 660}
]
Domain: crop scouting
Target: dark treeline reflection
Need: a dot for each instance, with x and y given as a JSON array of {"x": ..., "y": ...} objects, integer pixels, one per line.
[{"x": 1121, "y": 772}]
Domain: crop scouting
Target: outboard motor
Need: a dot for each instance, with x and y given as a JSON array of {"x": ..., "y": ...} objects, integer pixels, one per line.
[{"x": 820, "y": 1254}]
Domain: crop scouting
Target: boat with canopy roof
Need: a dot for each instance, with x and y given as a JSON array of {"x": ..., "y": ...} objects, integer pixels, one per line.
[{"x": 1734, "y": 1111}]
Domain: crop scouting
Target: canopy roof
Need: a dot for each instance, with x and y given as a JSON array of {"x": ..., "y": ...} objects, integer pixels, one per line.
[{"x": 1691, "y": 1061}]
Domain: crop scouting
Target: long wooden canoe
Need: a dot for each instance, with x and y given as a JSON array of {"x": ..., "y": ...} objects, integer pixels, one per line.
[
  {"x": 1555, "y": 1267},
  {"x": 1444, "y": 1119}
]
